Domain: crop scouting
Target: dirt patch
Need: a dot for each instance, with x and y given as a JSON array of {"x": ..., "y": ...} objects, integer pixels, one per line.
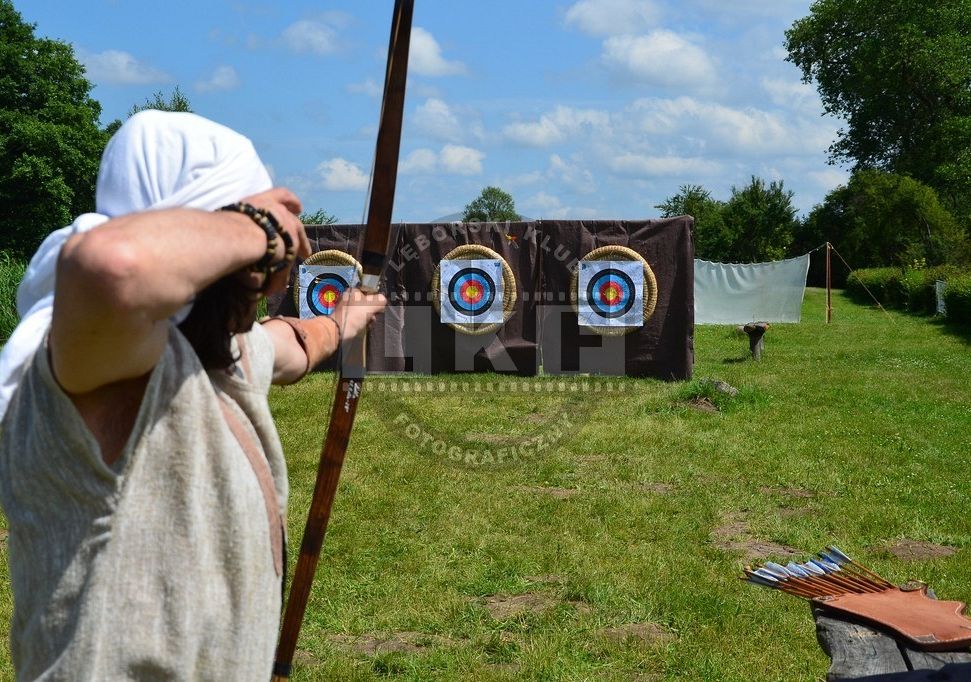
[
  {"x": 639, "y": 633},
  {"x": 915, "y": 550},
  {"x": 661, "y": 488},
  {"x": 593, "y": 459},
  {"x": 537, "y": 418},
  {"x": 558, "y": 493},
  {"x": 702, "y": 405},
  {"x": 505, "y": 606},
  {"x": 304, "y": 658},
  {"x": 3, "y": 536},
  {"x": 787, "y": 492},
  {"x": 394, "y": 642},
  {"x": 736, "y": 536}
]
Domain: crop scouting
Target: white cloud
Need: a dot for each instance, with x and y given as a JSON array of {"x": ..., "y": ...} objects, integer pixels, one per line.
[
  {"x": 452, "y": 159},
  {"x": 341, "y": 175},
  {"x": 435, "y": 119},
  {"x": 543, "y": 203},
  {"x": 717, "y": 129},
  {"x": 115, "y": 67},
  {"x": 425, "y": 56},
  {"x": 223, "y": 78},
  {"x": 369, "y": 87},
  {"x": 461, "y": 160},
  {"x": 546, "y": 205},
  {"x": 420, "y": 161},
  {"x": 792, "y": 94},
  {"x": 661, "y": 166},
  {"x": 659, "y": 58},
  {"x": 573, "y": 175},
  {"x": 555, "y": 127},
  {"x": 612, "y": 17},
  {"x": 830, "y": 178},
  {"x": 316, "y": 36}
]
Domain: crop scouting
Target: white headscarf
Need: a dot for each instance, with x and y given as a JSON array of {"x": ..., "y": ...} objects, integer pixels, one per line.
[{"x": 156, "y": 160}]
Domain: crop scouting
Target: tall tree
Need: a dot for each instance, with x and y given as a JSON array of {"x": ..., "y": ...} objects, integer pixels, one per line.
[
  {"x": 50, "y": 142},
  {"x": 880, "y": 219},
  {"x": 760, "y": 222},
  {"x": 492, "y": 205},
  {"x": 899, "y": 72},
  {"x": 711, "y": 237}
]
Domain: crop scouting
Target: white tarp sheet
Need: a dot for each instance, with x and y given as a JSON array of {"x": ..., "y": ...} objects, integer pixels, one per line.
[{"x": 735, "y": 293}]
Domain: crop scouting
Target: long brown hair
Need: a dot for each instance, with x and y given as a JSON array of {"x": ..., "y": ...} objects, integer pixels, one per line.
[{"x": 220, "y": 310}]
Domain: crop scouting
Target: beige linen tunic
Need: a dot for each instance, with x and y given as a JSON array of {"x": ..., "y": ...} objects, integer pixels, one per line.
[{"x": 162, "y": 566}]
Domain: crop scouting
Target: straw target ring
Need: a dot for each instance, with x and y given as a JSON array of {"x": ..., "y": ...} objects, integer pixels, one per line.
[
  {"x": 472, "y": 290},
  {"x": 610, "y": 294},
  {"x": 322, "y": 294}
]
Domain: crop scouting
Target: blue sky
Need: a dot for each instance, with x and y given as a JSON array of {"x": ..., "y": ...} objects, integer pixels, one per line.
[{"x": 582, "y": 109}]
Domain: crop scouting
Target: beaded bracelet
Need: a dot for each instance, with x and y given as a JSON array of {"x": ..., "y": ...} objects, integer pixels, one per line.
[{"x": 265, "y": 221}]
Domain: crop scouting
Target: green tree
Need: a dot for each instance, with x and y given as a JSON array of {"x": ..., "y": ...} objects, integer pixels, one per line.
[
  {"x": 899, "y": 73},
  {"x": 50, "y": 141},
  {"x": 492, "y": 205},
  {"x": 177, "y": 101},
  {"x": 760, "y": 222},
  {"x": 318, "y": 217},
  {"x": 881, "y": 219},
  {"x": 710, "y": 236}
]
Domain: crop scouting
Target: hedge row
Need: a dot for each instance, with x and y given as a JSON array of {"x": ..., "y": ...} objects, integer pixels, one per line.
[{"x": 913, "y": 289}]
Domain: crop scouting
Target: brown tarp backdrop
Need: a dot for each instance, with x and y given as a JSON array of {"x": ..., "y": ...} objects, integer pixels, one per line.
[
  {"x": 664, "y": 346},
  {"x": 543, "y": 329},
  {"x": 435, "y": 347}
]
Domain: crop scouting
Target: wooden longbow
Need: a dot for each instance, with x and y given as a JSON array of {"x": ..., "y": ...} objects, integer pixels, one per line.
[{"x": 373, "y": 259}]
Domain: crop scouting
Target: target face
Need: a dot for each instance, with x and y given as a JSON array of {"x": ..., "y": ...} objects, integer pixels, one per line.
[
  {"x": 324, "y": 292},
  {"x": 611, "y": 294},
  {"x": 471, "y": 291},
  {"x": 321, "y": 287}
]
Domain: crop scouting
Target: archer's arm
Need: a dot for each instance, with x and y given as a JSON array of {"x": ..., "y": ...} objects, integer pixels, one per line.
[
  {"x": 301, "y": 345},
  {"x": 118, "y": 284}
]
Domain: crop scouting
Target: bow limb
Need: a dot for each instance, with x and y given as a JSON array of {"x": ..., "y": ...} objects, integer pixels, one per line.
[{"x": 374, "y": 257}]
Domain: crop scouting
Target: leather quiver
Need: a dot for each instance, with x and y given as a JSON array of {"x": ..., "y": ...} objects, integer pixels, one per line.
[{"x": 927, "y": 623}]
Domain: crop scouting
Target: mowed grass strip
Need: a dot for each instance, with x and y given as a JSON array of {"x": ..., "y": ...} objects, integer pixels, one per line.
[
  {"x": 607, "y": 541},
  {"x": 613, "y": 552}
]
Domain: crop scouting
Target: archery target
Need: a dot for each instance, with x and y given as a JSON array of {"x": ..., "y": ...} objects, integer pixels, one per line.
[
  {"x": 321, "y": 287},
  {"x": 611, "y": 293},
  {"x": 471, "y": 291}
]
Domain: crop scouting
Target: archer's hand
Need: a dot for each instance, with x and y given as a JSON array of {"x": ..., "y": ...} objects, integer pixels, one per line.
[
  {"x": 286, "y": 208},
  {"x": 355, "y": 310}
]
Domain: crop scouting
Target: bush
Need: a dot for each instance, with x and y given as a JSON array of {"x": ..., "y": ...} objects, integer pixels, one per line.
[
  {"x": 909, "y": 289},
  {"x": 11, "y": 272},
  {"x": 882, "y": 283},
  {"x": 957, "y": 299},
  {"x": 917, "y": 290}
]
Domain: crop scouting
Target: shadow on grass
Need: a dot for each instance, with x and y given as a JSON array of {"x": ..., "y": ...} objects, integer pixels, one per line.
[{"x": 955, "y": 329}]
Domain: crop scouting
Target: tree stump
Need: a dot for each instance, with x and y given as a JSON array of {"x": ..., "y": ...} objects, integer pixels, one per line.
[
  {"x": 861, "y": 652},
  {"x": 756, "y": 337}
]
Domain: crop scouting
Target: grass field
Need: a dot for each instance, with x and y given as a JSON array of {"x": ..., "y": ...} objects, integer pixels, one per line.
[{"x": 609, "y": 548}]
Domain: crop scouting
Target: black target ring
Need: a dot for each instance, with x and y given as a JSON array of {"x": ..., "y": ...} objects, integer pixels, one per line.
[{"x": 604, "y": 286}]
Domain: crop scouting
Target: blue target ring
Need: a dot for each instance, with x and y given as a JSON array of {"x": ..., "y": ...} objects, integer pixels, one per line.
[
  {"x": 611, "y": 293},
  {"x": 324, "y": 292},
  {"x": 472, "y": 291}
]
